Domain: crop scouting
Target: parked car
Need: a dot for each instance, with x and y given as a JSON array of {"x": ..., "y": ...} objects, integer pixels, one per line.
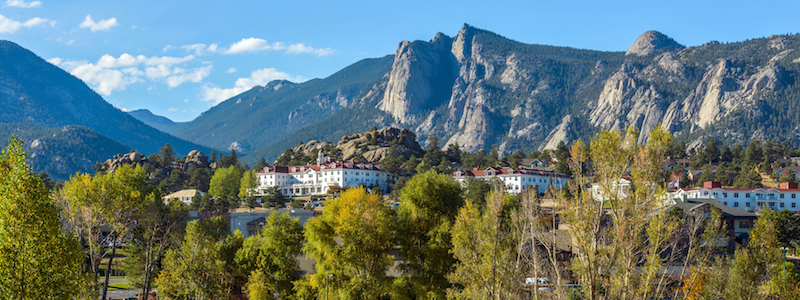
[{"x": 537, "y": 281}]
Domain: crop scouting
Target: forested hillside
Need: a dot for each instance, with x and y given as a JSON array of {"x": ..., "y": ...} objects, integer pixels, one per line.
[
  {"x": 61, "y": 152},
  {"x": 34, "y": 91}
]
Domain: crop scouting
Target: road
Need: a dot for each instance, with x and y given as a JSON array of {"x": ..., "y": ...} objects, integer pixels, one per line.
[{"x": 115, "y": 294}]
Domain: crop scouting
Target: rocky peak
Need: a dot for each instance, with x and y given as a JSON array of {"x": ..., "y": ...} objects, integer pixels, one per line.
[
  {"x": 417, "y": 71},
  {"x": 653, "y": 42}
]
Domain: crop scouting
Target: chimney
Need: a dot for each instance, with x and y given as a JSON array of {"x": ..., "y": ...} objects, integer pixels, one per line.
[
  {"x": 788, "y": 186},
  {"x": 712, "y": 184}
]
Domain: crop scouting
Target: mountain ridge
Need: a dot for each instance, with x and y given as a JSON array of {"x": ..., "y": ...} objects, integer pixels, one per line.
[
  {"x": 530, "y": 97},
  {"x": 34, "y": 91}
]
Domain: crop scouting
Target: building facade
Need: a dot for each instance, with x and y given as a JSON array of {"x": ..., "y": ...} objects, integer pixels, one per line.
[
  {"x": 786, "y": 196},
  {"x": 318, "y": 179},
  {"x": 515, "y": 180}
]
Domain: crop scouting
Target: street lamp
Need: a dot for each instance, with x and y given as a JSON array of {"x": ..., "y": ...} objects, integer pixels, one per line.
[
  {"x": 276, "y": 294},
  {"x": 326, "y": 284}
]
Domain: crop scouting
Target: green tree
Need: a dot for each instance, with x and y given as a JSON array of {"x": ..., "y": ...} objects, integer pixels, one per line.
[
  {"x": 429, "y": 203},
  {"x": 114, "y": 200},
  {"x": 484, "y": 245},
  {"x": 260, "y": 165},
  {"x": 712, "y": 152},
  {"x": 351, "y": 240},
  {"x": 609, "y": 255},
  {"x": 199, "y": 178},
  {"x": 248, "y": 185},
  {"x": 787, "y": 226},
  {"x": 753, "y": 266},
  {"x": 272, "y": 251},
  {"x": 748, "y": 179},
  {"x": 213, "y": 157},
  {"x": 476, "y": 190},
  {"x": 754, "y": 154},
  {"x": 453, "y": 153},
  {"x": 160, "y": 228},
  {"x": 176, "y": 181},
  {"x": 167, "y": 155},
  {"x": 225, "y": 182},
  {"x": 37, "y": 259},
  {"x": 196, "y": 269}
]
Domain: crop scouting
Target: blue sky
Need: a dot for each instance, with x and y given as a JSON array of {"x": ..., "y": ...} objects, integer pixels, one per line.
[{"x": 179, "y": 58}]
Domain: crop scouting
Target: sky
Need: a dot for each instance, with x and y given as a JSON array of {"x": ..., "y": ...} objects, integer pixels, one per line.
[{"x": 180, "y": 58}]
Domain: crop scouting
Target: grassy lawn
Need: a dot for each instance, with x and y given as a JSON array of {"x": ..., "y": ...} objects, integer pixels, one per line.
[{"x": 119, "y": 286}]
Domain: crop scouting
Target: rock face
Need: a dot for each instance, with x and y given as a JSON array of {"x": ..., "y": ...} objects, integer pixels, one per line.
[
  {"x": 652, "y": 42},
  {"x": 118, "y": 160},
  {"x": 373, "y": 145},
  {"x": 419, "y": 74},
  {"x": 197, "y": 158}
]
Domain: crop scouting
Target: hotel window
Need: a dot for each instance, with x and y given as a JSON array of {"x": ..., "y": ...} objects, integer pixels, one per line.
[
  {"x": 793, "y": 205},
  {"x": 725, "y": 203},
  {"x": 747, "y": 195},
  {"x": 735, "y": 195},
  {"x": 747, "y": 204},
  {"x": 783, "y": 205},
  {"x": 705, "y": 193},
  {"x": 794, "y": 196},
  {"x": 725, "y": 195},
  {"x": 735, "y": 204},
  {"x": 781, "y": 196}
]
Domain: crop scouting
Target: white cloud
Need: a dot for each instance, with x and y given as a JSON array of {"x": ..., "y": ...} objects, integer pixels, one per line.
[
  {"x": 70, "y": 42},
  {"x": 55, "y": 60},
  {"x": 257, "y": 77},
  {"x": 180, "y": 76},
  {"x": 104, "y": 80},
  {"x": 231, "y": 70},
  {"x": 10, "y": 26},
  {"x": 168, "y": 47},
  {"x": 253, "y": 45},
  {"x": 257, "y": 44},
  {"x": 111, "y": 73},
  {"x": 102, "y": 25},
  {"x": 23, "y": 4},
  {"x": 172, "y": 109},
  {"x": 127, "y": 60},
  {"x": 301, "y": 48},
  {"x": 124, "y": 109},
  {"x": 201, "y": 49}
]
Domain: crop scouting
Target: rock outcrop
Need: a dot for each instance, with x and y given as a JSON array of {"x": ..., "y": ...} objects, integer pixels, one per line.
[
  {"x": 373, "y": 145},
  {"x": 653, "y": 42},
  {"x": 118, "y": 160}
]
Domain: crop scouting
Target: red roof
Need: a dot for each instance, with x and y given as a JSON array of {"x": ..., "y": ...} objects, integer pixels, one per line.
[
  {"x": 327, "y": 166},
  {"x": 505, "y": 171},
  {"x": 741, "y": 189}
]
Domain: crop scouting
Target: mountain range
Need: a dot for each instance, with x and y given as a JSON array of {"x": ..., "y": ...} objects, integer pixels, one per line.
[
  {"x": 36, "y": 95},
  {"x": 480, "y": 89},
  {"x": 477, "y": 89}
]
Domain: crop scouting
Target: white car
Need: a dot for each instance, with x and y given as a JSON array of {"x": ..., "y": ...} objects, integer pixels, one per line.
[{"x": 537, "y": 281}]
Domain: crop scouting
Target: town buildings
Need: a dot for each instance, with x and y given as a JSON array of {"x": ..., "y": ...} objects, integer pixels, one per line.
[
  {"x": 515, "y": 180},
  {"x": 786, "y": 196},
  {"x": 321, "y": 177}
]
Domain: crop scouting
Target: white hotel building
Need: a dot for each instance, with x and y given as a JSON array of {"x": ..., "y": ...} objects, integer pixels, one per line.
[
  {"x": 319, "y": 178},
  {"x": 786, "y": 196},
  {"x": 516, "y": 180}
]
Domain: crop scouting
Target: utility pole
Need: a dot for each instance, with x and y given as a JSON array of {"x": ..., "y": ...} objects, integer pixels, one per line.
[{"x": 326, "y": 285}]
